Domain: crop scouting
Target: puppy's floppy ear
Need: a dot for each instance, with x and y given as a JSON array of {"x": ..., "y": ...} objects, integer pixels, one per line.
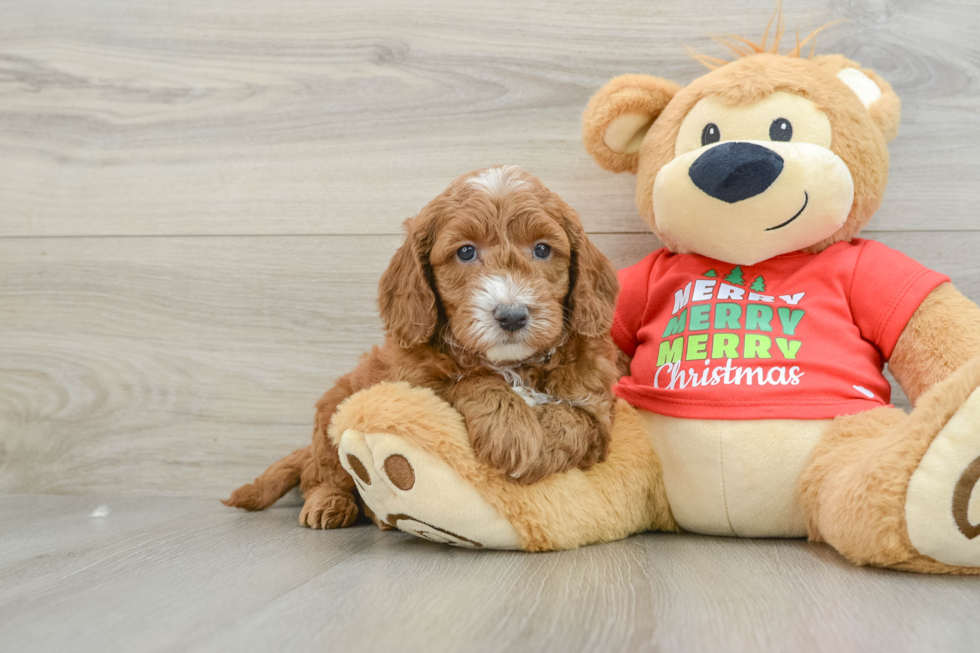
[
  {"x": 406, "y": 298},
  {"x": 593, "y": 285},
  {"x": 618, "y": 117}
]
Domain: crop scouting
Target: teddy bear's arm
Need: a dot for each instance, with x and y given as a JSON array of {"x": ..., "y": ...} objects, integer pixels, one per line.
[{"x": 943, "y": 334}]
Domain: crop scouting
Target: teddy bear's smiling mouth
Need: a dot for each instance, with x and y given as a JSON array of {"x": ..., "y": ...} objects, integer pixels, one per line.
[{"x": 806, "y": 200}]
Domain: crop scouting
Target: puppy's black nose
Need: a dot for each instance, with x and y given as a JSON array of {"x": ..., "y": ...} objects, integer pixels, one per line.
[
  {"x": 732, "y": 172},
  {"x": 511, "y": 317}
]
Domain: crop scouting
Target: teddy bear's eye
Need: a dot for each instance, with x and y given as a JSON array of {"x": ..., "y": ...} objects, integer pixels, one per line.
[
  {"x": 710, "y": 134},
  {"x": 781, "y": 130}
]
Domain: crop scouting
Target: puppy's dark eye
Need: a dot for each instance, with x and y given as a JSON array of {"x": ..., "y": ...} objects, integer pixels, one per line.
[
  {"x": 710, "y": 134},
  {"x": 781, "y": 130},
  {"x": 466, "y": 253},
  {"x": 542, "y": 251}
]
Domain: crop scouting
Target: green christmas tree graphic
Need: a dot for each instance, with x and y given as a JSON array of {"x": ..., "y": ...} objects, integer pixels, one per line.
[
  {"x": 711, "y": 273},
  {"x": 759, "y": 285},
  {"x": 735, "y": 276}
]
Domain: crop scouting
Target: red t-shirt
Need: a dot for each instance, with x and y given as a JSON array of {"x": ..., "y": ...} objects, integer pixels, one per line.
[{"x": 801, "y": 336}]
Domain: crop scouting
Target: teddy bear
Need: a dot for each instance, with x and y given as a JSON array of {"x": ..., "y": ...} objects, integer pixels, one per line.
[{"x": 752, "y": 401}]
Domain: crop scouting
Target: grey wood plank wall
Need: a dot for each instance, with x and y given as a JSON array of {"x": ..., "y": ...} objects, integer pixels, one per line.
[{"x": 197, "y": 197}]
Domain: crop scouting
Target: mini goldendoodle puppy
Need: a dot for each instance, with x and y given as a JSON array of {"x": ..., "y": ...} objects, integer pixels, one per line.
[{"x": 499, "y": 303}]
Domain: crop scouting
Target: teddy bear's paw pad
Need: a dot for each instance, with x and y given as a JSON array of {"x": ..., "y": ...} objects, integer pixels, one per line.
[
  {"x": 421, "y": 494},
  {"x": 942, "y": 506}
]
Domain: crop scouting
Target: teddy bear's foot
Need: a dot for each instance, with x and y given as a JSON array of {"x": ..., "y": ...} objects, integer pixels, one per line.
[
  {"x": 900, "y": 490},
  {"x": 412, "y": 490},
  {"x": 410, "y": 457},
  {"x": 942, "y": 505}
]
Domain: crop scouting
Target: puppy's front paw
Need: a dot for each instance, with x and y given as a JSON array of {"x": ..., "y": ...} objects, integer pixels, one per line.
[
  {"x": 506, "y": 435},
  {"x": 328, "y": 508},
  {"x": 575, "y": 438}
]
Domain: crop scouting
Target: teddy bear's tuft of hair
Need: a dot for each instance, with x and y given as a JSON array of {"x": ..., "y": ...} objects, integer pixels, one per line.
[{"x": 744, "y": 47}]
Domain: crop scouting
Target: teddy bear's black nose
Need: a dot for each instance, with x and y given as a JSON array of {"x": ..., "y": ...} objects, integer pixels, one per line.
[{"x": 734, "y": 171}]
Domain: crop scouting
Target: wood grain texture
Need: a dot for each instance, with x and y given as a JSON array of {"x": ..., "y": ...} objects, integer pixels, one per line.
[
  {"x": 123, "y": 117},
  {"x": 184, "y": 366},
  {"x": 160, "y": 365},
  {"x": 157, "y": 337},
  {"x": 190, "y": 575}
]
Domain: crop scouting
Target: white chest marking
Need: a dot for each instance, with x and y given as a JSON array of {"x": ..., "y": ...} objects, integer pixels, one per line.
[{"x": 532, "y": 397}]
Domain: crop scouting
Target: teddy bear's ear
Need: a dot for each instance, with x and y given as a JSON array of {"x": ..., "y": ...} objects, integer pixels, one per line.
[
  {"x": 618, "y": 117},
  {"x": 877, "y": 96}
]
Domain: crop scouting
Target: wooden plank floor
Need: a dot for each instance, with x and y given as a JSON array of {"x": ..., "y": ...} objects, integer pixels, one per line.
[
  {"x": 197, "y": 197},
  {"x": 175, "y": 366},
  {"x": 167, "y": 574}
]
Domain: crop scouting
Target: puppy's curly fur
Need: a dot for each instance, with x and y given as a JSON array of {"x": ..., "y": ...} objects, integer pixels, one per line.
[{"x": 536, "y": 399}]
